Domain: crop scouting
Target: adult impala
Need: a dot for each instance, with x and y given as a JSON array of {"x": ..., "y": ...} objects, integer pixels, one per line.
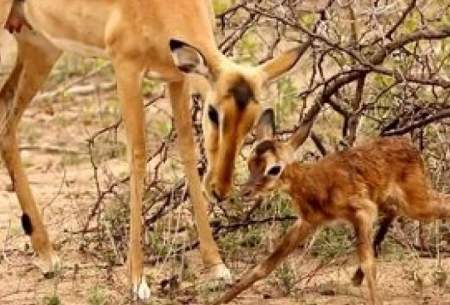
[{"x": 159, "y": 38}]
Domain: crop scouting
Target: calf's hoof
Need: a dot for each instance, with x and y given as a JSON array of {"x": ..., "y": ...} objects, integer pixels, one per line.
[{"x": 358, "y": 278}]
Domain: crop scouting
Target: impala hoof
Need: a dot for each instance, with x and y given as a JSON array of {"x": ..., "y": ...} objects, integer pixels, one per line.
[
  {"x": 49, "y": 266},
  {"x": 220, "y": 274},
  {"x": 141, "y": 291}
]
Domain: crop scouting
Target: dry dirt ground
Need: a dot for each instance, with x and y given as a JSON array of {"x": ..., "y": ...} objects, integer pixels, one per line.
[{"x": 54, "y": 148}]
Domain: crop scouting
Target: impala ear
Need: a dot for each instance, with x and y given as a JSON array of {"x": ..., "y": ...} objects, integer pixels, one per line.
[
  {"x": 283, "y": 63},
  {"x": 188, "y": 59},
  {"x": 265, "y": 128}
]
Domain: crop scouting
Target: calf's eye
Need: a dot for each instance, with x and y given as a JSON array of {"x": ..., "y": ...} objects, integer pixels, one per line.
[{"x": 274, "y": 170}]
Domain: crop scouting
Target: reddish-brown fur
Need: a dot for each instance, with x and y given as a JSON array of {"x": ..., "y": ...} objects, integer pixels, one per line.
[
  {"x": 388, "y": 171},
  {"x": 384, "y": 176}
]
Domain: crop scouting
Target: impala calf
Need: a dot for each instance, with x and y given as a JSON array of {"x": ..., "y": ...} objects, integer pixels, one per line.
[
  {"x": 168, "y": 39},
  {"x": 384, "y": 176}
]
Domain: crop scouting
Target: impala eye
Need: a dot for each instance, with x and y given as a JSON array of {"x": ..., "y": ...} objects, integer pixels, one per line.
[
  {"x": 274, "y": 171},
  {"x": 213, "y": 115}
]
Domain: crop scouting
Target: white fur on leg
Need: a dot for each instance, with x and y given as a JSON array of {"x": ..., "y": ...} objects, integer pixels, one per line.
[
  {"x": 49, "y": 266},
  {"x": 142, "y": 291},
  {"x": 220, "y": 273}
]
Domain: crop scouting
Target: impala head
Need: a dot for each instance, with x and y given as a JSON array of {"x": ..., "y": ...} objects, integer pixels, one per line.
[
  {"x": 231, "y": 108},
  {"x": 269, "y": 157}
]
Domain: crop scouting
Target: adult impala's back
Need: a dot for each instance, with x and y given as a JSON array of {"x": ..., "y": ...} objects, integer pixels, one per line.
[{"x": 159, "y": 38}]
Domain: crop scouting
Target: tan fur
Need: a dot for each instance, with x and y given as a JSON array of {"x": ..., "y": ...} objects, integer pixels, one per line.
[
  {"x": 5, "y": 9},
  {"x": 383, "y": 176},
  {"x": 135, "y": 35}
]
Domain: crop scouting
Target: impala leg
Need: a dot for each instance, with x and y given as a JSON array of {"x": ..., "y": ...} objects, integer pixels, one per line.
[
  {"x": 34, "y": 62},
  {"x": 295, "y": 235},
  {"x": 129, "y": 80},
  {"x": 180, "y": 99},
  {"x": 363, "y": 223},
  {"x": 385, "y": 223}
]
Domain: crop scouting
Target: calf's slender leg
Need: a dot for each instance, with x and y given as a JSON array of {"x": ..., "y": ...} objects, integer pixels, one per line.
[
  {"x": 363, "y": 222},
  {"x": 385, "y": 223},
  {"x": 295, "y": 235}
]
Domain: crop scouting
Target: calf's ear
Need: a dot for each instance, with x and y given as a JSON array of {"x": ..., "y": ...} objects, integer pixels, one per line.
[{"x": 265, "y": 128}]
